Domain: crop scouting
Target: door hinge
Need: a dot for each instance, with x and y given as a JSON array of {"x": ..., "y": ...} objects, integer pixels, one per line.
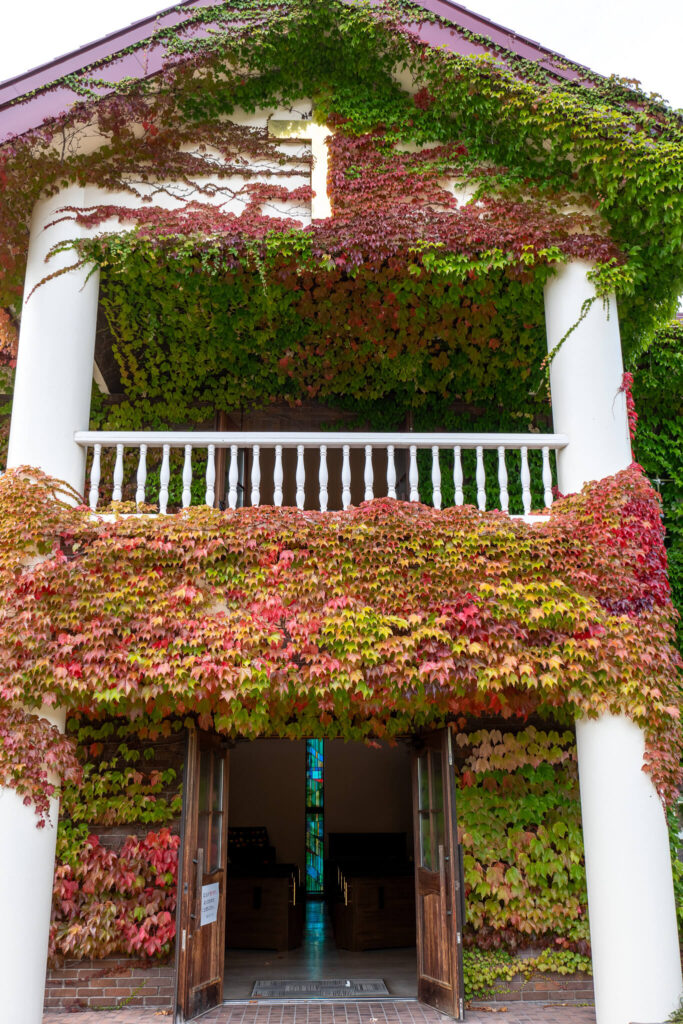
[
  {"x": 458, "y": 938},
  {"x": 462, "y": 1009},
  {"x": 182, "y": 945}
]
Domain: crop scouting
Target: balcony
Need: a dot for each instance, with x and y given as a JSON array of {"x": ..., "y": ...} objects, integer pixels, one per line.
[{"x": 320, "y": 470}]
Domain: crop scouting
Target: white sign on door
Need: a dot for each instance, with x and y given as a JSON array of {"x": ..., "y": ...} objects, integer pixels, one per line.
[{"x": 209, "y": 904}]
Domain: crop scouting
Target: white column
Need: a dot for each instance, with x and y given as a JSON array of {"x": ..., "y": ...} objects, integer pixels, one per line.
[
  {"x": 585, "y": 377},
  {"x": 27, "y": 856},
  {"x": 634, "y": 937},
  {"x": 56, "y": 350}
]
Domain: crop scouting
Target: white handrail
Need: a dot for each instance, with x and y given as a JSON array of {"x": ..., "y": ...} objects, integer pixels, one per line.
[
  {"x": 377, "y": 472},
  {"x": 311, "y": 439}
]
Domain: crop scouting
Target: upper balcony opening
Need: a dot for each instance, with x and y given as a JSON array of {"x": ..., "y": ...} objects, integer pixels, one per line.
[{"x": 277, "y": 384}]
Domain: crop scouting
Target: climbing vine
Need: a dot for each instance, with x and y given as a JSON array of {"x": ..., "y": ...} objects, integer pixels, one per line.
[
  {"x": 484, "y": 970},
  {"x": 519, "y": 818},
  {"x": 658, "y": 395},
  {"x": 522, "y": 130},
  {"x": 108, "y": 902},
  {"x": 453, "y": 200},
  {"x": 362, "y": 623},
  {"x": 115, "y": 893}
]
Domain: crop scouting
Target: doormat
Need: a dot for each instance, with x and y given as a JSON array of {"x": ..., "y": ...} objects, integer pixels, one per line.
[{"x": 326, "y": 988}]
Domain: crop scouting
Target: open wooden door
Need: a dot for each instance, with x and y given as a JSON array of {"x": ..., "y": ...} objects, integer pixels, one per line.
[
  {"x": 437, "y": 875},
  {"x": 202, "y": 882}
]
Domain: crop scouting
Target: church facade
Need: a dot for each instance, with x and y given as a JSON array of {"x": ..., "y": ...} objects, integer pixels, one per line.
[{"x": 295, "y": 281}]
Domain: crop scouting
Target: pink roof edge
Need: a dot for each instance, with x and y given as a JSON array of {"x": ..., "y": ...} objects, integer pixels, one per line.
[{"x": 17, "y": 118}]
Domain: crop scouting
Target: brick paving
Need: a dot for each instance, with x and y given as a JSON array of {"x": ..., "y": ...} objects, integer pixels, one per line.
[{"x": 383, "y": 1011}]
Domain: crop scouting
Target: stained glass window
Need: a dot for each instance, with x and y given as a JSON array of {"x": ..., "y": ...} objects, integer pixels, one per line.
[{"x": 314, "y": 817}]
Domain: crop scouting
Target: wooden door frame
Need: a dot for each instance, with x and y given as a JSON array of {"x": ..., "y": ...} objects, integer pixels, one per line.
[
  {"x": 452, "y": 871},
  {"x": 186, "y": 896},
  {"x": 449, "y": 871}
]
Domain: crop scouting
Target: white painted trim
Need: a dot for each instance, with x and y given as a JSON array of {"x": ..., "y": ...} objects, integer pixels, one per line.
[{"x": 222, "y": 439}]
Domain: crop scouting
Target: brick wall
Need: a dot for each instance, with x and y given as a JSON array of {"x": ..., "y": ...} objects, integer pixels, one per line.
[
  {"x": 118, "y": 981},
  {"x": 544, "y": 987},
  {"x": 114, "y": 982},
  {"x": 169, "y": 752}
]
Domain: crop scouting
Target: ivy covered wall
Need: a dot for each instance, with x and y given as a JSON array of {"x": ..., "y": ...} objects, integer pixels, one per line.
[
  {"x": 240, "y": 620},
  {"x": 116, "y": 871}
]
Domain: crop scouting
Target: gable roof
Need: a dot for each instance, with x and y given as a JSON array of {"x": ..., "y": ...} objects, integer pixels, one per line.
[{"x": 27, "y": 100}]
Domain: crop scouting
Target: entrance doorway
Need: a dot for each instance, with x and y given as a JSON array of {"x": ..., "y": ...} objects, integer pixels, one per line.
[{"x": 340, "y": 866}]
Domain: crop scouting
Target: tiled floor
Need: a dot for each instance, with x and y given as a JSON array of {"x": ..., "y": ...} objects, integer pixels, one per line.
[
  {"x": 381, "y": 1012},
  {"x": 319, "y": 957}
]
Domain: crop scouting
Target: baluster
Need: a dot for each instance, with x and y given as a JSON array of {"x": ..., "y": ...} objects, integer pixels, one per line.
[
  {"x": 142, "y": 475},
  {"x": 210, "y": 495},
  {"x": 95, "y": 473},
  {"x": 526, "y": 481},
  {"x": 346, "y": 477},
  {"x": 187, "y": 476},
  {"x": 457, "y": 475},
  {"x": 323, "y": 478},
  {"x": 503, "y": 480},
  {"x": 369, "y": 476},
  {"x": 481, "y": 479},
  {"x": 277, "y": 476},
  {"x": 547, "y": 479},
  {"x": 412, "y": 475},
  {"x": 233, "y": 476},
  {"x": 256, "y": 476},
  {"x": 118, "y": 474},
  {"x": 300, "y": 477},
  {"x": 391, "y": 472},
  {"x": 164, "y": 478},
  {"x": 436, "y": 477}
]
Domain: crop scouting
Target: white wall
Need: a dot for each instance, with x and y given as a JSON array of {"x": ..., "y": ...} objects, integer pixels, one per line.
[
  {"x": 267, "y": 780},
  {"x": 366, "y": 790}
]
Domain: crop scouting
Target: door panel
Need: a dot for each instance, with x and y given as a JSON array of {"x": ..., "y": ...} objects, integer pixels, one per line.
[
  {"x": 437, "y": 875},
  {"x": 201, "y": 929}
]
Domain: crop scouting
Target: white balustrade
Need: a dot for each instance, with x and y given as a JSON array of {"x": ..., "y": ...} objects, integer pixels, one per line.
[
  {"x": 503, "y": 479},
  {"x": 359, "y": 470},
  {"x": 233, "y": 476},
  {"x": 481, "y": 479},
  {"x": 95, "y": 476},
  {"x": 118, "y": 474},
  {"x": 346, "y": 477},
  {"x": 323, "y": 479},
  {"x": 142, "y": 475},
  {"x": 526, "y": 481},
  {"x": 256, "y": 475},
  {"x": 391, "y": 472},
  {"x": 300, "y": 477},
  {"x": 278, "y": 476},
  {"x": 210, "y": 496},
  {"x": 187, "y": 476},
  {"x": 457, "y": 475},
  {"x": 368, "y": 476},
  {"x": 164, "y": 478},
  {"x": 413, "y": 477},
  {"x": 547, "y": 477},
  {"x": 436, "y": 477}
]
